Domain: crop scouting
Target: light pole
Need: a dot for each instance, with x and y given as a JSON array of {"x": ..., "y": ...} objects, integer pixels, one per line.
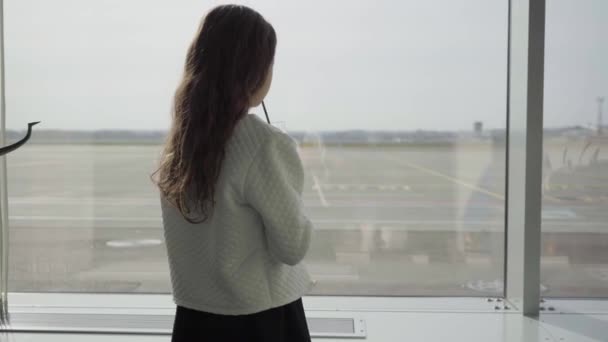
[{"x": 600, "y": 123}]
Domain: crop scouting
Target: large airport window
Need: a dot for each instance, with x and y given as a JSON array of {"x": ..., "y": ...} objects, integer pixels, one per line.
[
  {"x": 575, "y": 171},
  {"x": 399, "y": 108}
]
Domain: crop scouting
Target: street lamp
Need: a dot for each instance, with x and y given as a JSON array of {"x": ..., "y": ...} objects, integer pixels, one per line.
[{"x": 12, "y": 147}]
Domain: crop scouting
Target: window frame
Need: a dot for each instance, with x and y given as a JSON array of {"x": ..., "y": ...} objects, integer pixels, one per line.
[
  {"x": 524, "y": 110},
  {"x": 525, "y": 65},
  {"x": 3, "y": 185}
]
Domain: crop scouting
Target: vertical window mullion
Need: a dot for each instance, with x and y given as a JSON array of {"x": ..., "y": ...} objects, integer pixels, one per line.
[
  {"x": 3, "y": 184},
  {"x": 526, "y": 76}
]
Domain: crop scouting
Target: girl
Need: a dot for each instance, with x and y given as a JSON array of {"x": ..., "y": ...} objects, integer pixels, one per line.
[{"x": 231, "y": 190}]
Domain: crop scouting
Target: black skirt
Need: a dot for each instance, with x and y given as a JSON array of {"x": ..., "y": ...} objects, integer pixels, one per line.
[{"x": 285, "y": 323}]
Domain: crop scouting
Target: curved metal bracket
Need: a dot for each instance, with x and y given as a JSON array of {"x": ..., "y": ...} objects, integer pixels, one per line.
[{"x": 12, "y": 147}]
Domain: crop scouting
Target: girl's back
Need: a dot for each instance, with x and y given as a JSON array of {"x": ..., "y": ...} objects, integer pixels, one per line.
[
  {"x": 230, "y": 188},
  {"x": 245, "y": 257}
]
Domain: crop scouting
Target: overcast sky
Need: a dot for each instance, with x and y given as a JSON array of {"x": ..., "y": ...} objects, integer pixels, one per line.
[{"x": 402, "y": 65}]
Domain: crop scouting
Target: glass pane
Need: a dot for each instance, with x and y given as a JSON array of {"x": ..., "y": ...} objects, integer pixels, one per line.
[
  {"x": 399, "y": 108},
  {"x": 575, "y": 202}
]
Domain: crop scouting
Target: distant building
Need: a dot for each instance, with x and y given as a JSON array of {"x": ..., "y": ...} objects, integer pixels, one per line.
[
  {"x": 478, "y": 128},
  {"x": 570, "y": 132}
]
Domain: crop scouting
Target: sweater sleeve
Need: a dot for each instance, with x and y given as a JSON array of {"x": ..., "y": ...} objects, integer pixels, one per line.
[{"x": 273, "y": 187}]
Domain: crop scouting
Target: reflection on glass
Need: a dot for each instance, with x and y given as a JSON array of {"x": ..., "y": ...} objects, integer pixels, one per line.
[{"x": 405, "y": 218}]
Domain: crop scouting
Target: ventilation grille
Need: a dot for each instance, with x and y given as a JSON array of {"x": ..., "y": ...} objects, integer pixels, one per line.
[{"x": 349, "y": 327}]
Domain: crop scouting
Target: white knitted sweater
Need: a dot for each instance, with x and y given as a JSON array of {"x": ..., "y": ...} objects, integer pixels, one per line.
[{"x": 247, "y": 256}]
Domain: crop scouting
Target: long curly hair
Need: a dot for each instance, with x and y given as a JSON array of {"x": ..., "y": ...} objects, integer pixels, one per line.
[{"x": 227, "y": 62}]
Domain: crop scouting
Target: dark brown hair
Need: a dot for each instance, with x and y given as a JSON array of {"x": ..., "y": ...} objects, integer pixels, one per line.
[{"x": 227, "y": 62}]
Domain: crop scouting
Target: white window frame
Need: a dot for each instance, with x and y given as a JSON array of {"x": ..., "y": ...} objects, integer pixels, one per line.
[
  {"x": 3, "y": 185},
  {"x": 525, "y": 67},
  {"x": 522, "y": 220}
]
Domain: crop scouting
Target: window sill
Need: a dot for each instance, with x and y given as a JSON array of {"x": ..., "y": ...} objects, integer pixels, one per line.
[
  {"x": 153, "y": 314},
  {"x": 149, "y": 314}
]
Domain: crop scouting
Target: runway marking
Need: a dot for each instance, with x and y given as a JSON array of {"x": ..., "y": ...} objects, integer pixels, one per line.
[
  {"x": 558, "y": 214},
  {"x": 461, "y": 182},
  {"x": 359, "y": 186},
  {"x": 326, "y": 221},
  {"x": 356, "y": 258},
  {"x": 478, "y": 260},
  {"x": 319, "y": 191},
  {"x": 457, "y": 226},
  {"x": 133, "y": 243},
  {"x": 83, "y": 201},
  {"x": 455, "y": 180},
  {"x": 420, "y": 259},
  {"x": 88, "y": 218},
  {"x": 560, "y": 260},
  {"x": 34, "y": 163}
]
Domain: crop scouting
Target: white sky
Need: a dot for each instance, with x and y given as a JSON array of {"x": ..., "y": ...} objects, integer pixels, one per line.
[{"x": 402, "y": 65}]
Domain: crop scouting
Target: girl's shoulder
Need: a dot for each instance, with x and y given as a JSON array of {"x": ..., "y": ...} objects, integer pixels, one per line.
[{"x": 258, "y": 132}]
